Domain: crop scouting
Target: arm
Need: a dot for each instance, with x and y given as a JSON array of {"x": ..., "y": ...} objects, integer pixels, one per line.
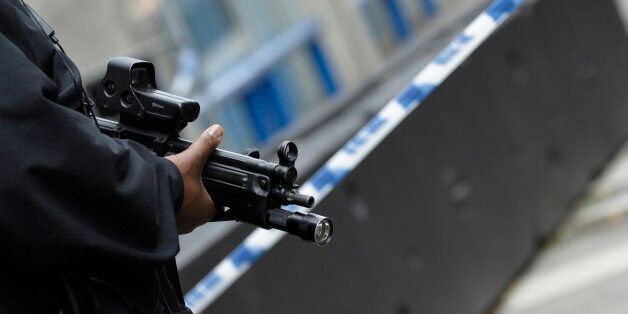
[{"x": 68, "y": 194}]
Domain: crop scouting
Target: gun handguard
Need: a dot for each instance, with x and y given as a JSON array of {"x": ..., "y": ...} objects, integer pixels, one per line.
[{"x": 242, "y": 186}]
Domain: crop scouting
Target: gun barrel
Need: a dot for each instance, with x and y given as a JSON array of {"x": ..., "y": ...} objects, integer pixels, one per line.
[
  {"x": 307, "y": 226},
  {"x": 292, "y": 197}
]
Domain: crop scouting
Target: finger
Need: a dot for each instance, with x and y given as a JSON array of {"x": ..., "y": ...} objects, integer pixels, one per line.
[{"x": 205, "y": 145}]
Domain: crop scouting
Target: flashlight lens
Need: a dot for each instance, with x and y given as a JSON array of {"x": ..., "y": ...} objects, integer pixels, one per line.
[{"x": 322, "y": 232}]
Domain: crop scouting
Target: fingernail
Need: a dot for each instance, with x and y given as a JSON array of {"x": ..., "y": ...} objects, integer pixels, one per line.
[{"x": 216, "y": 131}]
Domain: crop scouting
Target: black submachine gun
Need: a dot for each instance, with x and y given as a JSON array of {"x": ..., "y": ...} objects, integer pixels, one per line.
[{"x": 243, "y": 187}]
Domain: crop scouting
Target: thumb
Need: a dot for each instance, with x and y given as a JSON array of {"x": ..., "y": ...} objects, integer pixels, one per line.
[{"x": 205, "y": 145}]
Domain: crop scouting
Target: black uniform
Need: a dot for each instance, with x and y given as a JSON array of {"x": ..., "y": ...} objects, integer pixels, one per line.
[{"x": 76, "y": 208}]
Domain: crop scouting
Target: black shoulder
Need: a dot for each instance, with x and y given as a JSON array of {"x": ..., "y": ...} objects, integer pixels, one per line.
[{"x": 20, "y": 30}]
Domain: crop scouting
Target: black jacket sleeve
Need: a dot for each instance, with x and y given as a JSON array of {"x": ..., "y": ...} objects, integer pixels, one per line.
[{"x": 68, "y": 194}]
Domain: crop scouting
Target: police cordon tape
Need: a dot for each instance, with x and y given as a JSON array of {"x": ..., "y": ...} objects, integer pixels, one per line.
[{"x": 355, "y": 150}]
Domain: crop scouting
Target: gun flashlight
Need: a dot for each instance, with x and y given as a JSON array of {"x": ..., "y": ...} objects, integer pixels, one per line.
[{"x": 307, "y": 226}]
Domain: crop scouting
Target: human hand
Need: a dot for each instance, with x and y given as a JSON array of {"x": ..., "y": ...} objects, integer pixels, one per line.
[{"x": 197, "y": 207}]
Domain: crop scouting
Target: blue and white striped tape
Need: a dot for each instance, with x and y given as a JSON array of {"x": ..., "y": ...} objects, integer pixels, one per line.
[{"x": 354, "y": 151}]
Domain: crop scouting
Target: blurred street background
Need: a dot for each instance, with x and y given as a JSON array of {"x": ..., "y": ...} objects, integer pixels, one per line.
[
  {"x": 257, "y": 66},
  {"x": 267, "y": 70},
  {"x": 317, "y": 70}
]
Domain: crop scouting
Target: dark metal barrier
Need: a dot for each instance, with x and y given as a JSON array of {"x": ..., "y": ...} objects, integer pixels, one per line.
[{"x": 445, "y": 212}]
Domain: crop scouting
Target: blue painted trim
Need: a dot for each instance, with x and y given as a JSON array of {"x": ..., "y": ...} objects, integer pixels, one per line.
[
  {"x": 398, "y": 19},
  {"x": 256, "y": 103},
  {"x": 322, "y": 66},
  {"x": 245, "y": 255},
  {"x": 413, "y": 93},
  {"x": 500, "y": 8},
  {"x": 327, "y": 176},
  {"x": 284, "y": 105},
  {"x": 453, "y": 49},
  {"x": 233, "y": 115},
  {"x": 266, "y": 109},
  {"x": 430, "y": 7}
]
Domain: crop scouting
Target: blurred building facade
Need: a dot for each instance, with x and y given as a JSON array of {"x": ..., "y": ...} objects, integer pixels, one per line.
[{"x": 256, "y": 66}]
